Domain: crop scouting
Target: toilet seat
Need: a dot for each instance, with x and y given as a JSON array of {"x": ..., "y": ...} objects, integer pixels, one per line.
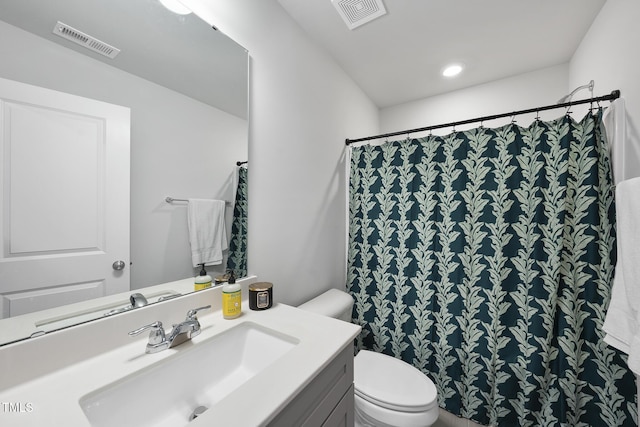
[{"x": 392, "y": 384}]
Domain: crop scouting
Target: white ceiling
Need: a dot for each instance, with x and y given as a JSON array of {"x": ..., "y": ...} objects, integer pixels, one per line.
[{"x": 399, "y": 57}]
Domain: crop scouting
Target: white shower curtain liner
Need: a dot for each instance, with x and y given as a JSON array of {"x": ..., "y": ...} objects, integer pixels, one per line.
[{"x": 624, "y": 142}]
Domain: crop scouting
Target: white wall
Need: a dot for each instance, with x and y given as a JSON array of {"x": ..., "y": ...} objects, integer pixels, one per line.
[
  {"x": 302, "y": 107},
  {"x": 176, "y": 146},
  {"x": 530, "y": 90},
  {"x": 180, "y": 148},
  {"x": 608, "y": 54}
]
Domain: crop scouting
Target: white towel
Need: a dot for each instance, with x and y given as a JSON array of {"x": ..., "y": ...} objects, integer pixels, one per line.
[
  {"x": 622, "y": 321},
  {"x": 207, "y": 233}
]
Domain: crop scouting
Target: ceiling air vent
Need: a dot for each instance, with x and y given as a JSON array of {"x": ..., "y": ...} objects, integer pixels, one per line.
[
  {"x": 359, "y": 12},
  {"x": 85, "y": 40}
]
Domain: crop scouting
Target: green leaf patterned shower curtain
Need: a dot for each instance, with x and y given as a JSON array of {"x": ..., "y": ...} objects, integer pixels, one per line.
[
  {"x": 237, "y": 259},
  {"x": 485, "y": 259}
]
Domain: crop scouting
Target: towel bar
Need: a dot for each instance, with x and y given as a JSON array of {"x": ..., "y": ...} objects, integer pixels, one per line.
[{"x": 172, "y": 199}]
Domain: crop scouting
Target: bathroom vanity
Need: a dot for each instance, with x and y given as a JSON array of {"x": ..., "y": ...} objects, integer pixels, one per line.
[{"x": 278, "y": 367}]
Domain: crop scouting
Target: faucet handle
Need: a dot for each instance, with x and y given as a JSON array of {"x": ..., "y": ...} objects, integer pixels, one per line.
[
  {"x": 191, "y": 314},
  {"x": 156, "y": 336}
]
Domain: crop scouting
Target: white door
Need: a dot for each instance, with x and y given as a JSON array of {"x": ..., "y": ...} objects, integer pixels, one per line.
[{"x": 64, "y": 198}]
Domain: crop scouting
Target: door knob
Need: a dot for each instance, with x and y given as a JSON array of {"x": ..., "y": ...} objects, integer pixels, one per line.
[{"x": 118, "y": 265}]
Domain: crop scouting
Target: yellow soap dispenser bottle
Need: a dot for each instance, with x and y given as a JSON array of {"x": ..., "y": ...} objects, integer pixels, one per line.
[{"x": 231, "y": 298}]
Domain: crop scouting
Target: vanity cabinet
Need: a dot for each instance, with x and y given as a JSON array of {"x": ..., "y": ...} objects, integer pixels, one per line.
[{"x": 326, "y": 401}]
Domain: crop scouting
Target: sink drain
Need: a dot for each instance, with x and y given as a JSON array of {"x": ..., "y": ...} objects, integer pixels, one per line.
[{"x": 197, "y": 412}]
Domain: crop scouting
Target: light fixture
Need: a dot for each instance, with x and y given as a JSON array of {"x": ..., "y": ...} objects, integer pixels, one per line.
[
  {"x": 452, "y": 70},
  {"x": 176, "y": 6}
]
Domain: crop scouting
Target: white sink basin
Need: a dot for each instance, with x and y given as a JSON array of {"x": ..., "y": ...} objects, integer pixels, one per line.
[{"x": 167, "y": 393}]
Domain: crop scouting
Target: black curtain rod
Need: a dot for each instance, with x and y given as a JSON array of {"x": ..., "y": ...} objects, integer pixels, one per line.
[
  {"x": 613, "y": 95},
  {"x": 239, "y": 163}
]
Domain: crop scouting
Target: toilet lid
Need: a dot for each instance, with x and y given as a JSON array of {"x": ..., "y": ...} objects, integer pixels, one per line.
[{"x": 392, "y": 383}]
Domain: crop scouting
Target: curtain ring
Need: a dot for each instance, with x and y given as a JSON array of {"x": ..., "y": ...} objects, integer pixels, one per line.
[
  {"x": 537, "y": 115},
  {"x": 513, "y": 119},
  {"x": 593, "y": 109}
]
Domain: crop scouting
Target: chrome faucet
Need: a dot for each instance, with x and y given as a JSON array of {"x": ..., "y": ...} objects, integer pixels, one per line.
[
  {"x": 137, "y": 300},
  {"x": 159, "y": 340}
]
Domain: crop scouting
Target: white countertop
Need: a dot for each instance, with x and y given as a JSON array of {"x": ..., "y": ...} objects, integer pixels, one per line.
[{"x": 52, "y": 397}]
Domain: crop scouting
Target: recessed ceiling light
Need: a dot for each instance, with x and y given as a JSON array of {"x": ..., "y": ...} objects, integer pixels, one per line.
[
  {"x": 452, "y": 70},
  {"x": 176, "y": 7}
]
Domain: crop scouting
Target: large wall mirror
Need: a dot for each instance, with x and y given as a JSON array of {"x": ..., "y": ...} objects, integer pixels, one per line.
[{"x": 185, "y": 86}]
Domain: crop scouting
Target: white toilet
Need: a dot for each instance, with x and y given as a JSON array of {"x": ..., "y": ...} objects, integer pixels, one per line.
[{"x": 388, "y": 391}]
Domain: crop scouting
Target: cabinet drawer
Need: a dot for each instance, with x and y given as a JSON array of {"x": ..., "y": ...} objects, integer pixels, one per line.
[{"x": 342, "y": 415}]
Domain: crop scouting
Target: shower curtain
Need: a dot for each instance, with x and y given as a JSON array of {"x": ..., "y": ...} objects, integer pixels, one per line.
[
  {"x": 237, "y": 259},
  {"x": 485, "y": 259}
]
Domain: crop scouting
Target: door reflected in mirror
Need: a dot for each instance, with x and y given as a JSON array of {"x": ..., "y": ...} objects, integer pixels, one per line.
[{"x": 185, "y": 86}]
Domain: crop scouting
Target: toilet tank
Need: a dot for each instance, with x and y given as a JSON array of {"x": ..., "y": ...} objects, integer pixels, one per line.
[{"x": 333, "y": 303}]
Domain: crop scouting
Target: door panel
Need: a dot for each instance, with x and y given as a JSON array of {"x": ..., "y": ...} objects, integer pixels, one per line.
[{"x": 61, "y": 212}]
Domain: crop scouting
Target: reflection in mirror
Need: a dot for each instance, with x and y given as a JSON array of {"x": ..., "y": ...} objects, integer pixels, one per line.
[{"x": 177, "y": 92}]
